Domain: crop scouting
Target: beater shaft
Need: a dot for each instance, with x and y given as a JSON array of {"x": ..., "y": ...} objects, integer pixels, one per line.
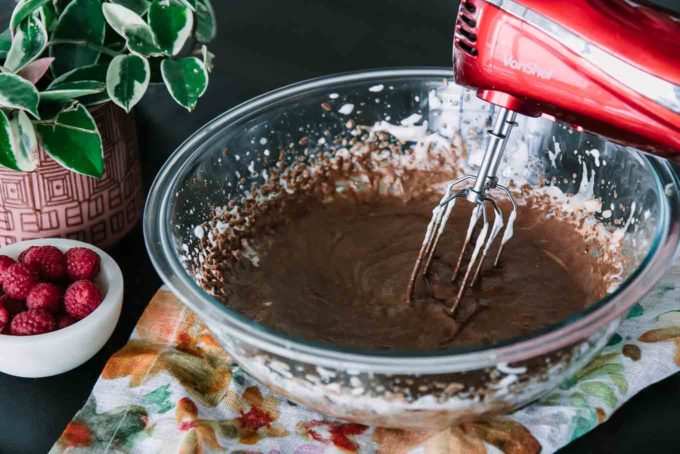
[{"x": 486, "y": 177}]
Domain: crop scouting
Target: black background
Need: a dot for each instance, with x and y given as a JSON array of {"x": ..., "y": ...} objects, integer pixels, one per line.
[{"x": 263, "y": 45}]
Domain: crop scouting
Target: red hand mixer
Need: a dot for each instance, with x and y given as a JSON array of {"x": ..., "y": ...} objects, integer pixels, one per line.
[{"x": 611, "y": 67}]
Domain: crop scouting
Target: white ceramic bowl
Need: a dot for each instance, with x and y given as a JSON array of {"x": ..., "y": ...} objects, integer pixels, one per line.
[{"x": 57, "y": 352}]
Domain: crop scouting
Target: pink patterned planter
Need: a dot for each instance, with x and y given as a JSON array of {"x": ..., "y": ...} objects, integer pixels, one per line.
[{"x": 55, "y": 202}]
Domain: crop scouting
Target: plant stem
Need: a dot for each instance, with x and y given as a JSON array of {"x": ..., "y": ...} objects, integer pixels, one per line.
[{"x": 75, "y": 42}]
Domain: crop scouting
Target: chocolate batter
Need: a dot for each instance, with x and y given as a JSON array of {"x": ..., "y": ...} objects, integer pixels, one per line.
[
  {"x": 324, "y": 250},
  {"x": 337, "y": 273}
]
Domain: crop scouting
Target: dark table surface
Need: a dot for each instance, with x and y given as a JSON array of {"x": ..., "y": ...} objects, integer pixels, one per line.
[{"x": 263, "y": 45}]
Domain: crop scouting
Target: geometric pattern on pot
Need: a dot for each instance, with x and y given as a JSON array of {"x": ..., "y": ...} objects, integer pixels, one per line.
[{"x": 54, "y": 202}]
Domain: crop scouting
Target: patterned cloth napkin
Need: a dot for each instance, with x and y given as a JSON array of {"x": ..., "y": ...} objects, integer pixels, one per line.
[{"x": 172, "y": 389}]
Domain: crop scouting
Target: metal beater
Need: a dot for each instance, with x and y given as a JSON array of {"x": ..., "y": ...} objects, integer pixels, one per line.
[{"x": 479, "y": 194}]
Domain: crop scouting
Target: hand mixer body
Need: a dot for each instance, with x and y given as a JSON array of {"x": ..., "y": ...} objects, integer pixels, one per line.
[{"x": 609, "y": 66}]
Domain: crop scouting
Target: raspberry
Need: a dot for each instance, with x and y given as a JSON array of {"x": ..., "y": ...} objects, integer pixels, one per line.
[
  {"x": 44, "y": 296},
  {"x": 5, "y": 262},
  {"x": 13, "y": 306},
  {"x": 18, "y": 280},
  {"x": 64, "y": 320},
  {"x": 82, "y": 263},
  {"x": 4, "y": 317},
  {"x": 22, "y": 256},
  {"x": 31, "y": 322},
  {"x": 49, "y": 261},
  {"x": 82, "y": 298}
]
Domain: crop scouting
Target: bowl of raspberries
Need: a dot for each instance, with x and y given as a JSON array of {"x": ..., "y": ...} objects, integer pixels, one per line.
[{"x": 60, "y": 301}]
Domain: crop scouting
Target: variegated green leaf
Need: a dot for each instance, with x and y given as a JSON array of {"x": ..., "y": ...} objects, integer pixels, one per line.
[
  {"x": 71, "y": 138},
  {"x": 25, "y": 141},
  {"x": 5, "y": 43},
  {"x": 96, "y": 72},
  {"x": 24, "y": 9},
  {"x": 29, "y": 42},
  {"x": 190, "y": 3},
  {"x": 172, "y": 23},
  {"x": 60, "y": 5},
  {"x": 49, "y": 16},
  {"x": 50, "y": 110},
  {"x": 186, "y": 79},
  {"x": 7, "y": 158},
  {"x": 128, "y": 24},
  {"x": 206, "y": 24},
  {"x": 127, "y": 80},
  {"x": 35, "y": 70},
  {"x": 119, "y": 17},
  {"x": 138, "y": 6},
  {"x": 18, "y": 93},
  {"x": 82, "y": 20},
  {"x": 71, "y": 90},
  {"x": 141, "y": 39},
  {"x": 90, "y": 72},
  {"x": 17, "y": 142}
]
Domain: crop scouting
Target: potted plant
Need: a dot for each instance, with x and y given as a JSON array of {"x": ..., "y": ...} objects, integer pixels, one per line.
[{"x": 70, "y": 72}]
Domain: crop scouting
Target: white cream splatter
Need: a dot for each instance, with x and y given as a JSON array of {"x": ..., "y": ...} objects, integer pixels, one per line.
[
  {"x": 668, "y": 189},
  {"x": 620, "y": 233},
  {"x": 509, "y": 228},
  {"x": 346, "y": 109},
  {"x": 552, "y": 155},
  {"x": 506, "y": 369},
  {"x": 403, "y": 133},
  {"x": 411, "y": 120},
  {"x": 595, "y": 153},
  {"x": 585, "y": 197}
]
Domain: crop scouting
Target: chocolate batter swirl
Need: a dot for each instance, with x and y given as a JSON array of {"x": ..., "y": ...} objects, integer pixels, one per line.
[
  {"x": 323, "y": 251},
  {"x": 337, "y": 273}
]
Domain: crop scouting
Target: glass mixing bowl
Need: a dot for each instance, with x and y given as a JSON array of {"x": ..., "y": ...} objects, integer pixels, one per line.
[{"x": 406, "y": 389}]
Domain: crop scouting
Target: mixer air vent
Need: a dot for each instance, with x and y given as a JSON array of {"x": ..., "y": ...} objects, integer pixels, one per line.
[
  {"x": 470, "y": 7},
  {"x": 466, "y": 28}
]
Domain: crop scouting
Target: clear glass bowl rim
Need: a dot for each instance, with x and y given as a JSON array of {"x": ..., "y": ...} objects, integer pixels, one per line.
[{"x": 566, "y": 332}]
